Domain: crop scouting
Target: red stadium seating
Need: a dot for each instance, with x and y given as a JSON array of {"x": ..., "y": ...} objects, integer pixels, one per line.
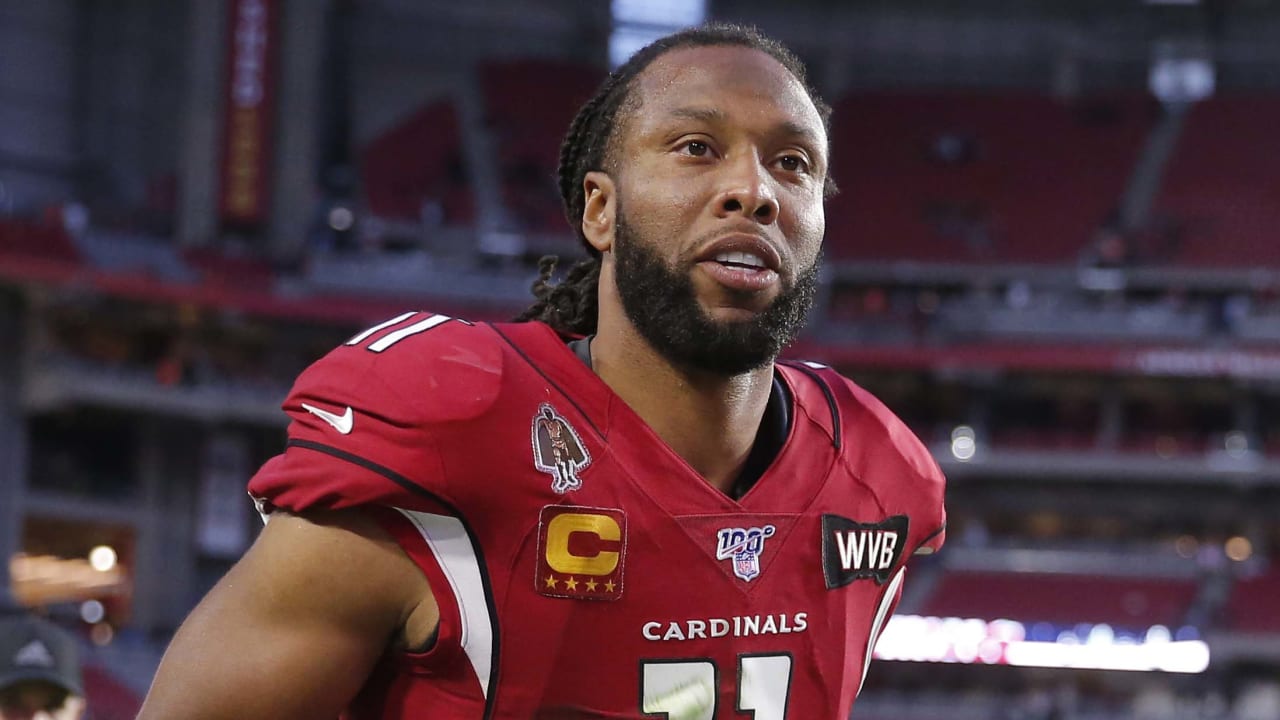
[
  {"x": 45, "y": 241},
  {"x": 1221, "y": 192},
  {"x": 1165, "y": 444},
  {"x": 1033, "y": 597},
  {"x": 972, "y": 177},
  {"x": 417, "y": 162},
  {"x": 530, "y": 104},
  {"x": 1065, "y": 438},
  {"x": 225, "y": 270},
  {"x": 1254, "y": 604}
]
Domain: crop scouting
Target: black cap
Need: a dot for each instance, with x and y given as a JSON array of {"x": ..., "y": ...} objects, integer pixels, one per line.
[{"x": 35, "y": 649}]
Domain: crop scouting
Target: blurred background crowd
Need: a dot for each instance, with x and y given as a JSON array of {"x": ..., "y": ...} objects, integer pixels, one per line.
[{"x": 1055, "y": 254}]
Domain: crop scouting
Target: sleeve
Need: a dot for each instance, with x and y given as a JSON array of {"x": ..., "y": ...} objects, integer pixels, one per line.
[
  {"x": 927, "y": 498},
  {"x": 365, "y": 420},
  {"x": 370, "y": 427},
  {"x": 937, "y": 536},
  {"x": 885, "y": 610}
]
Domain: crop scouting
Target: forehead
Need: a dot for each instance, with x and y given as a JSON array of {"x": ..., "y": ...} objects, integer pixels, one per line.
[{"x": 745, "y": 84}]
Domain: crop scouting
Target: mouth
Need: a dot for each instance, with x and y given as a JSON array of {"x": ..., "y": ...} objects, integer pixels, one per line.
[{"x": 742, "y": 262}]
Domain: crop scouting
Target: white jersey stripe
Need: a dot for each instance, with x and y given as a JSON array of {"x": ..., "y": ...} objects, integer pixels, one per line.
[
  {"x": 380, "y": 326},
  {"x": 882, "y": 615},
  {"x": 451, "y": 545},
  {"x": 421, "y": 326}
]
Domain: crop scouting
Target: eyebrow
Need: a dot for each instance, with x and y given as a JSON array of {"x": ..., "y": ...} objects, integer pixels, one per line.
[
  {"x": 697, "y": 113},
  {"x": 715, "y": 115}
]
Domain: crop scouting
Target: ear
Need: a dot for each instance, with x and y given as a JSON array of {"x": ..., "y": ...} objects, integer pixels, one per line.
[{"x": 599, "y": 212}]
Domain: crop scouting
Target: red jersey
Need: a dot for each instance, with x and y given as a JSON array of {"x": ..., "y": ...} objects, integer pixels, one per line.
[{"x": 582, "y": 568}]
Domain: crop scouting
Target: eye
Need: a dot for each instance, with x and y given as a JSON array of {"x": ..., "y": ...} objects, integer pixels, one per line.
[
  {"x": 793, "y": 163},
  {"x": 696, "y": 148}
]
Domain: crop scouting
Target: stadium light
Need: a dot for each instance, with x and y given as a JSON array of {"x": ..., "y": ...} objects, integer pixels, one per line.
[
  {"x": 92, "y": 611},
  {"x": 971, "y": 641},
  {"x": 637, "y": 23},
  {"x": 103, "y": 558},
  {"x": 1181, "y": 72},
  {"x": 1238, "y": 548},
  {"x": 964, "y": 443},
  {"x": 1236, "y": 443}
]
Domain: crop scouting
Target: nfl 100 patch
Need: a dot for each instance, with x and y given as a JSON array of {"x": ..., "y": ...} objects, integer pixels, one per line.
[{"x": 744, "y": 546}]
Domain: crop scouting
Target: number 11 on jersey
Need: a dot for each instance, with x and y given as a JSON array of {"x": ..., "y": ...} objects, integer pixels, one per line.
[{"x": 687, "y": 689}]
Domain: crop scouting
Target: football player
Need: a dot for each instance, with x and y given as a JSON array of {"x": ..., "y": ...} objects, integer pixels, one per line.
[{"x": 622, "y": 505}]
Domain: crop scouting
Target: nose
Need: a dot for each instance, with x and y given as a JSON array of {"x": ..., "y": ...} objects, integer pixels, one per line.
[{"x": 748, "y": 191}]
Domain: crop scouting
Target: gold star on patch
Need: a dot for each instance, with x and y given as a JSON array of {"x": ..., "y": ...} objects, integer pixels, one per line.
[
  {"x": 592, "y": 585},
  {"x": 571, "y": 584},
  {"x": 551, "y": 582},
  {"x": 609, "y": 586}
]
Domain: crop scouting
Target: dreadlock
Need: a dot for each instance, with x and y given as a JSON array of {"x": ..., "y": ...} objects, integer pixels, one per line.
[{"x": 570, "y": 306}]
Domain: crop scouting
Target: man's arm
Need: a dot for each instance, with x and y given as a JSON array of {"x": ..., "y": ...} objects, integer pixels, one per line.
[{"x": 294, "y": 629}]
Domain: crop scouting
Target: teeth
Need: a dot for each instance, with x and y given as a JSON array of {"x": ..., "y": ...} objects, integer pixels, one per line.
[{"x": 740, "y": 258}]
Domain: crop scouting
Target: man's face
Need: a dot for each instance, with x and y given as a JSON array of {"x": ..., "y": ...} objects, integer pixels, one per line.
[
  {"x": 720, "y": 175},
  {"x": 36, "y": 701},
  {"x": 662, "y": 303}
]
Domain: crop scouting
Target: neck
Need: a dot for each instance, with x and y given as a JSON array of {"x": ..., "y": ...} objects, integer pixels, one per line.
[{"x": 709, "y": 420}]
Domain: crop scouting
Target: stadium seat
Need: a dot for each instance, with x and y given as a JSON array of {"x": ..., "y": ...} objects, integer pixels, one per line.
[
  {"x": 37, "y": 240},
  {"x": 218, "y": 268},
  {"x": 1218, "y": 202},
  {"x": 529, "y": 105},
  {"x": 1253, "y": 605},
  {"x": 416, "y": 163},
  {"x": 1057, "y": 598},
  {"x": 978, "y": 177}
]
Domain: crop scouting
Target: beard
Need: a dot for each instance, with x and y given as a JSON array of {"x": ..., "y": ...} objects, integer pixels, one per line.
[{"x": 660, "y": 301}]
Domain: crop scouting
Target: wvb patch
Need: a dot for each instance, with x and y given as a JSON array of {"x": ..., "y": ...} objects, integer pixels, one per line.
[
  {"x": 853, "y": 550},
  {"x": 744, "y": 546},
  {"x": 557, "y": 450}
]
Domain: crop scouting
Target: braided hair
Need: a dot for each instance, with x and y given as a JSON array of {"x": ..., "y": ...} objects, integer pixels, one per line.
[{"x": 570, "y": 306}]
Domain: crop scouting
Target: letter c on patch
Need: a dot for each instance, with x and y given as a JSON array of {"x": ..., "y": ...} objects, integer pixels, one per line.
[{"x": 563, "y": 526}]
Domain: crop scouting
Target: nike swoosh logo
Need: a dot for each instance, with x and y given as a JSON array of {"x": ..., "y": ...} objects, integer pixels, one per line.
[{"x": 342, "y": 423}]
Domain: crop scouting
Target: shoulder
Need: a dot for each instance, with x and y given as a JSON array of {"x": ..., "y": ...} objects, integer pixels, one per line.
[
  {"x": 861, "y": 418},
  {"x": 367, "y": 419},
  {"x": 419, "y": 366},
  {"x": 877, "y": 446}
]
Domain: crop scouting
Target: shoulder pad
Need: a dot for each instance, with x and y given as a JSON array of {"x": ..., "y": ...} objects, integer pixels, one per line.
[
  {"x": 878, "y": 445},
  {"x": 434, "y": 368},
  {"x": 864, "y": 418},
  {"x": 366, "y": 418}
]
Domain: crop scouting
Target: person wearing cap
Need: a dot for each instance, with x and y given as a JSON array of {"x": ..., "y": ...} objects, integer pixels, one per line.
[{"x": 40, "y": 676}]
